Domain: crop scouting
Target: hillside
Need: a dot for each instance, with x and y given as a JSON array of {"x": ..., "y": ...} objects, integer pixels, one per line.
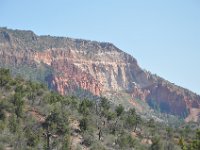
[
  {"x": 71, "y": 65},
  {"x": 32, "y": 117}
]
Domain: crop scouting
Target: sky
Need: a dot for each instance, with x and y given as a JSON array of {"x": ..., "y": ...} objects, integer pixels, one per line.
[{"x": 163, "y": 35}]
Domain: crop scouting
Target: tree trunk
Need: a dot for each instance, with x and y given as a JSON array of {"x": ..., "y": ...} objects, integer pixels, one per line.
[
  {"x": 48, "y": 135},
  {"x": 100, "y": 134}
]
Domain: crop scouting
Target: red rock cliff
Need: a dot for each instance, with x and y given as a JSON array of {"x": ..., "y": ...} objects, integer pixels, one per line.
[{"x": 100, "y": 68}]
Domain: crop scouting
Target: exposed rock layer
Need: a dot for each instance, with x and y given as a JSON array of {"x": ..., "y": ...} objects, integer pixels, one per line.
[{"x": 97, "y": 67}]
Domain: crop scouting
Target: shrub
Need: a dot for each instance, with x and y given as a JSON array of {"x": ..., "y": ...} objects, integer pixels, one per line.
[
  {"x": 83, "y": 124},
  {"x": 125, "y": 141},
  {"x": 88, "y": 139},
  {"x": 97, "y": 146}
]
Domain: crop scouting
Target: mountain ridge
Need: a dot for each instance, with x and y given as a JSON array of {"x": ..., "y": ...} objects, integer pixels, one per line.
[{"x": 98, "y": 67}]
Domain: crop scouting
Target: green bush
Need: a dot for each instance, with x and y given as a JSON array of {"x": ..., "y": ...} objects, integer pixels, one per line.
[
  {"x": 14, "y": 124},
  {"x": 32, "y": 138},
  {"x": 125, "y": 141},
  {"x": 88, "y": 139},
  {"x": 84, "y": 124},
  {"x": 97, "y": 146},
  {"x": 156, "y": 144}
]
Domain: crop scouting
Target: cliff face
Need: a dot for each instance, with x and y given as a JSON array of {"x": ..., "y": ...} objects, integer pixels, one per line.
[{"x": 100, "y": 68}]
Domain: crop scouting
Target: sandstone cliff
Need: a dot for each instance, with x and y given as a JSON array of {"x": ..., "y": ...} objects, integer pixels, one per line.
[{"x": 100, "y": 68}]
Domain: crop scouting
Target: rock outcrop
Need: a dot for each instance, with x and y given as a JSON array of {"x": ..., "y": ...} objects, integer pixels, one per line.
[{"x": 98, "y": 67}]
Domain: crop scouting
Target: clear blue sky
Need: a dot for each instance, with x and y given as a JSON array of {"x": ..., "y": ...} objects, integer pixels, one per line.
[{"x": 163, "y": 35}]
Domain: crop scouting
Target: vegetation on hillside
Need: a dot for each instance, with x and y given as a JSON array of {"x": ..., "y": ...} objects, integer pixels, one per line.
[{"x": 32, "y": 117}]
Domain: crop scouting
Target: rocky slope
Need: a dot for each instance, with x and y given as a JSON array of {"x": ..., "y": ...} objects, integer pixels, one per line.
[{"x": 67, "y": 64}]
